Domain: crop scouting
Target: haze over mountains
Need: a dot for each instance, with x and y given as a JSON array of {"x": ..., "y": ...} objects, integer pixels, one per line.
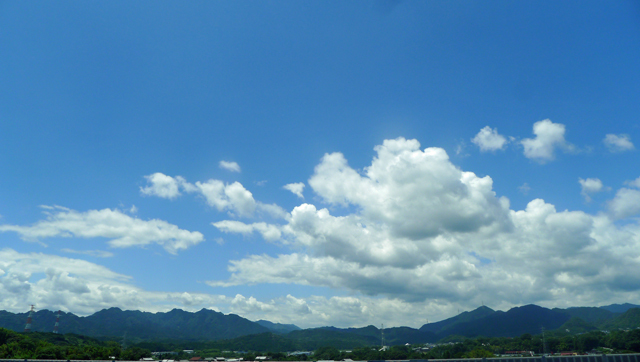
[{"x": 211, "y": 325}]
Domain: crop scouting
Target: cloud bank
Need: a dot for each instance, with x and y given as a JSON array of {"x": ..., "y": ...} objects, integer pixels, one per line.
[{"x": 414, "y": 227}]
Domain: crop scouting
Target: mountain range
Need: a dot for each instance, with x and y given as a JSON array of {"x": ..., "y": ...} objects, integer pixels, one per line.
[{"x": 211, "y": 325}]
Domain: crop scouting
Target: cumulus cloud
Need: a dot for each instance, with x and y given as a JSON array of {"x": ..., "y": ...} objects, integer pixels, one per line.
[
  {"x": 233, "y": 198},
  {"x": 488, "y": 139},
  {"x": 590, "y": 186},
  {"x": 122, "y": 229},
  {"x": 230, "y": 166},
  {"x": 625, "y": 204},
  {"x": 549, "y": 136},
  {"x": 162, "y": 185},
  {"x": 72, "y": 285},
  {"x": 415, "y": 193},
  {"x": 618, "y": 143},
  {"x": 295, "y": 188},
  {"x": 414, "y": 228}
]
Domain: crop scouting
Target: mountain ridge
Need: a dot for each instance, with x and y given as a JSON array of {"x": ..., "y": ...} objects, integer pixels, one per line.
[{"x": 211, "y": 325}]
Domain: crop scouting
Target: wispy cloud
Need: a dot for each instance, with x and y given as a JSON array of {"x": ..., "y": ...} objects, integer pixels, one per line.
[{"x": 230, "y": 166}]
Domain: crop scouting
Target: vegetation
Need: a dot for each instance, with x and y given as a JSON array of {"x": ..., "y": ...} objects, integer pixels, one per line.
[{"x": 38, "y": 345}]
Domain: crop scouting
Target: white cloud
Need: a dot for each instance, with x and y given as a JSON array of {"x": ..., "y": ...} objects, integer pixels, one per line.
[
  {"x": 269, "y": 232},
  {"x": 122, "y": 229},
  {"x": 590, "y": 186},
  {"x": 425, "y": 232},
  {"x": 626, "y": 203},
  {"x": 230, "y": 166},
  {"x": 489, "y": 140},
  {"x": 95, "y": 253},
  {"x": 415, "y": 193},
  {"x": 634, "y": 183},
  {"x": 524, "y": 188},
  {"x": 58, "y": 283},
  {"x": 295, "y": 188},
  {"x": 162, "y": 185},
  {"x": 549, "y": 136},
  {"x": 233, "y": 198},
  {"x": 618, "y": 143}
]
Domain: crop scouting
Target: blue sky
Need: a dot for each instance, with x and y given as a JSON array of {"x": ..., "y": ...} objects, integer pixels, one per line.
[{"x": 319, "y": 163}]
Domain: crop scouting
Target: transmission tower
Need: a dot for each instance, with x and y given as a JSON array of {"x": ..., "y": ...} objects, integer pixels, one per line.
[
  {"x": 382, "y": 335},
  {"x": 27, "y": 328},
  {"x": 55, "y": 328}
]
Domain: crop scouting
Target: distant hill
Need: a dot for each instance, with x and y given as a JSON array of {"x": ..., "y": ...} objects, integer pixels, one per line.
[
  {"x": 515, "y": 322},
  {"x": 627, "y": 320},
  {"x": 278, "y": 327},
  {"x": 464, "y": 317},
  {"x": 208, "y": 325},
  {"x": 593, "y": 315},
  {"x": 619, "y": 308},
  {"x": 114, "y": 322}
]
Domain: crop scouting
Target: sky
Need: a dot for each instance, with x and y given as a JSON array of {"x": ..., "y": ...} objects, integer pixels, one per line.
[{"x": 341, "y": 163}]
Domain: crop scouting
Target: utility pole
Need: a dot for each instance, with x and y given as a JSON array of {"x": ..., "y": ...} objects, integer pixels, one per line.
[
  {"x": 27, "y": 327},
  {"x": 55, "y": 327}
]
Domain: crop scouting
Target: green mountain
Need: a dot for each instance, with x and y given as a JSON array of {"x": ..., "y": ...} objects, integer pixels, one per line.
[
  {"x": 627, "y": 320},
  {"x": 576, "y": 325},
  {"x": 464, "y": 317},
  {"x": 278, "y": 327},
  {"x": 515, "y": 322},
  {"x": 619, "y": 308},
  {"x": 207, "y": 326},
  {"x": 114, "y": 322},
  {"x": 592, "y": 315}
]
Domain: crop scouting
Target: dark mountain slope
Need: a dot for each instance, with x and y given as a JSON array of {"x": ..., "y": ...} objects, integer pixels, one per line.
[
  {"x": 627, "y": 320},
  {"x": 619, "y": 308},
  {"x": 440, "y": 327},
  {"x": 593, "y": 315},
  {"x": 278, "y": 327},
  {"x": 113, "y": 322},
  {"x": 515, "y": 322}
]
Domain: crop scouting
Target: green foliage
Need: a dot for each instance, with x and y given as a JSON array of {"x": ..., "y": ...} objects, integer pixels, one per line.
[{"x": 62, "y": 347}]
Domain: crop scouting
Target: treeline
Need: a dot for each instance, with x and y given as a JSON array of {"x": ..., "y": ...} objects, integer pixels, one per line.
[{"x": 38, "y": 345}]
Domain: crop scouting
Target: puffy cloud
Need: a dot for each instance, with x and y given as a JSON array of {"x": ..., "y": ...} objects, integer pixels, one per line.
[
  {"x": 295, "y": 188},
  {"x": 53, "y": 282},
  {"x": 162, "y": 185},
  {"x": 415, "y": 193},
  {"x": 233, "y": 198},
  {"x": 230, "y": 166},
  {"x": 123, "y": 230},
  {"x": 618, "y": 143},
  {"x": 489, "y": 140},
  {"x": 626, "y": 203},
  {"x": 549, "y": 136},
  {"x": 590, "y": 186},
  {"x": 418, "y": 230}
]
